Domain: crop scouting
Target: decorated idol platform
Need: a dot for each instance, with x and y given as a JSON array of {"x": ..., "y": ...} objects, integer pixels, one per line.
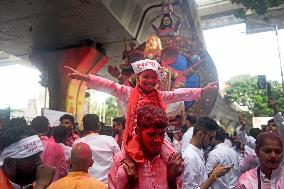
[{"x": 185, "y": 59}]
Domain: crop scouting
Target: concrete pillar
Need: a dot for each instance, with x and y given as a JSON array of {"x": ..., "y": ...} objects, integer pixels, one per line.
[{"x": 67, "y": 94}]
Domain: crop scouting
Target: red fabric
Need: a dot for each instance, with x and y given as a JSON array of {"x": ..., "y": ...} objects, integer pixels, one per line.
[
  {"x": 4, "y": 182},
  {"x": 69, "y": 140},
  {"x": 130, "y": 140}
]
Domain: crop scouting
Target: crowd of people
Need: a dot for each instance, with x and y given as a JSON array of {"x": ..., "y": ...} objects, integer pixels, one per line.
[{"x": 142, "y": 152}]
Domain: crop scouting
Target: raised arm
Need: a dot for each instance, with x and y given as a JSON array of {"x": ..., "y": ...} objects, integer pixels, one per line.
[
  {"x": 187, "y": 94},
  {"x": 272, "y": 104},
  {"x": 153, "y": 23},
  {"x": 101, "y": 84},
  {"x": 178, "y": 21},
  {"x": 243, "y": 137},
  {"x": 74, "y": 74}
]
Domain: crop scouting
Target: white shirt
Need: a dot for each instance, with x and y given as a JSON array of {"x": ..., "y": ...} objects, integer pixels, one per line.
[
  {"x": 223, "y": 155},
  {"x": 103, "y": 149},
  {"x": 248, "y": 160},
  {"x": 177, "y": 145},
  {"x": 244, "y": 138},
  {"x": 228, "y": 143},
  {"x": 67, "y": 151},
  {"x": 186, "y": 138},
  {"x": 194, "y": 174}
]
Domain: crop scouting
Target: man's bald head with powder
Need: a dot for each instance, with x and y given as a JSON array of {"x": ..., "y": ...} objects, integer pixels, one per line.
[{"x": 81, "y": 157}]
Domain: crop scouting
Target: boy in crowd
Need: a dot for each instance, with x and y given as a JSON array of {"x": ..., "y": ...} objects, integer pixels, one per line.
[
  {"x": 158, "y": 170},
  {"x": 118, "y": 125},
  {"x": 68, "y": 122}
]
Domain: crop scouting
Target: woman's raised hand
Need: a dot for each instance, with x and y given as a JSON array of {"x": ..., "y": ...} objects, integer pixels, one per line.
[{"x": 74, "y": 74}]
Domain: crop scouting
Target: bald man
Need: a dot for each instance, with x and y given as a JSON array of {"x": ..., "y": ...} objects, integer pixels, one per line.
[{"x": 81, "y": 161}]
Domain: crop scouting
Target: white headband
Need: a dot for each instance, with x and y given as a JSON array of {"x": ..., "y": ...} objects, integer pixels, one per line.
[
  {"x": 22, "y": 149},
  {"x": 148, "y": 64}
]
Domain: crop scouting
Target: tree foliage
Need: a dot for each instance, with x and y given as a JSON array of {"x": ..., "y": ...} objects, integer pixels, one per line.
[
  {"x": 259, "y": 6},
  {"x": 111, "y": 109},
  {"x": 243, "y": 91}
]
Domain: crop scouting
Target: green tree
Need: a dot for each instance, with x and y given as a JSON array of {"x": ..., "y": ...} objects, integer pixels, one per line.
[
  {"x": 243, "y": 92},
  {"x": 259, "y": 6},
  {"x": 111, "y": 109}
]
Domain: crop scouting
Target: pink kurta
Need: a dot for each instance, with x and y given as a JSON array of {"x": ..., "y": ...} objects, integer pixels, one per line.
[
  {"x": 249, "y": 180},
  {"x": 53, "y": 155},
  {"x": 123, "y": 92},
  {"x": 152, "y": 174}
]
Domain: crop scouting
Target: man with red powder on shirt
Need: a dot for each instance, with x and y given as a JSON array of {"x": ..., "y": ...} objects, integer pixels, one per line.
[{"x": 162, "y": 166}]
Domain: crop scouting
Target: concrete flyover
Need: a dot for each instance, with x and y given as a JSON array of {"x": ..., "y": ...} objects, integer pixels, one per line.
[
  {"x": 27, "y": 26},
  {"x": 219, "y": 13}
]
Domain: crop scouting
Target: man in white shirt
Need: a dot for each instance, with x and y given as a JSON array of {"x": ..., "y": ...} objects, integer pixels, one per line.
[
  {"x": 247, "y": 156},
  {"x": 247, "y": 159},
  {"x": 249, "y": 140},
  {"x": 228, "y": 141},
  {"x": 222, "y": 154},
  {"x": 190, "y": 121},
  {"x": 103, "y": 147},
  {"x": 194, "y": 175}
]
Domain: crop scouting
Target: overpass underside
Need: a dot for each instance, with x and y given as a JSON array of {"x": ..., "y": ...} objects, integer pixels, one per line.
[{"x": 220, "y": 13}]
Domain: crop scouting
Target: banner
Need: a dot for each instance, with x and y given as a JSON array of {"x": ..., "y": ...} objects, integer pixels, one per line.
[
  {"x": 259, "y": 122},
  {"x": 53, "y": 116}
]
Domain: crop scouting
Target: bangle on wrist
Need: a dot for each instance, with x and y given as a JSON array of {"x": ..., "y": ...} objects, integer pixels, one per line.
[{"x": 214, "y": 175}]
